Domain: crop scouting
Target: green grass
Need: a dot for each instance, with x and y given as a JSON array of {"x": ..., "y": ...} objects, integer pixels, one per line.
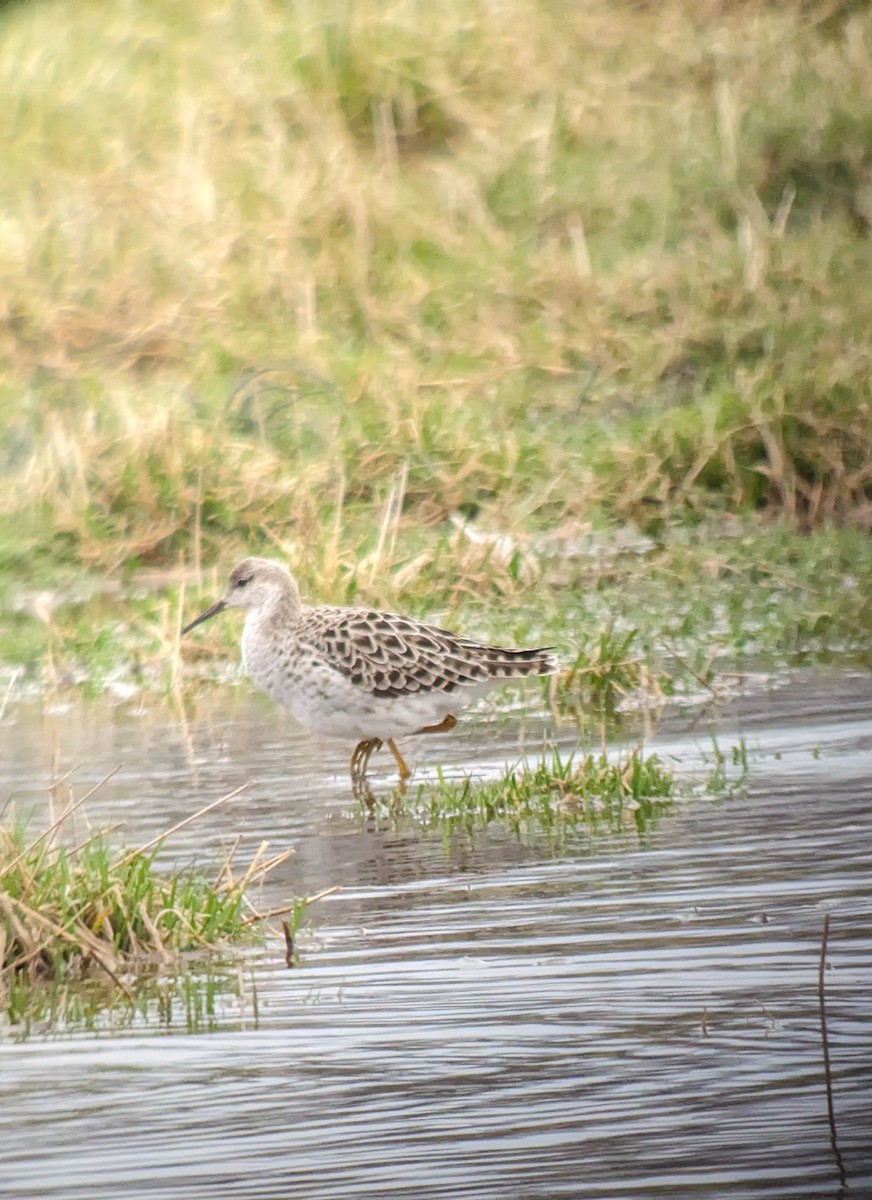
[
  {"x": 567, "y": 802},
  {"x": 196, "y": 996},
  {"x": 605, "y": 672},
  {"x": 662, "y": 619},
  {"x": 321, "y": 279},
  {"x": 86, "y": 930},
  {"x": 561, "y": 797}
]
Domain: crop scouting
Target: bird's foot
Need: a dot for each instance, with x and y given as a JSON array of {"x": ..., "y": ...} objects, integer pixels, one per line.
[
  {"x": 363, "y": 752},
  {"x": 444, "y": 725}
]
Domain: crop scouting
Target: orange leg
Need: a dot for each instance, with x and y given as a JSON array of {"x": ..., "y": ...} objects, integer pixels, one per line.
[
  {"x": 364, "y": 751},
  {"x": 444, "y": 725},
  {"x": 402, "y": 765}
]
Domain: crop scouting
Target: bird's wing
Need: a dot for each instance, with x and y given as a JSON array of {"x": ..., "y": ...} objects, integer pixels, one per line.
[{"x": 390, "y": 655}]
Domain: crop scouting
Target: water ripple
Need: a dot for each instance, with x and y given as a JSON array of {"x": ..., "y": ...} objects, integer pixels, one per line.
[{"x": 635, "y": 1021}]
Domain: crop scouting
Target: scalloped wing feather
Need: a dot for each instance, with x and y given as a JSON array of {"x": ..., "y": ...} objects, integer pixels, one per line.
[{"x": 389, "y": 655}]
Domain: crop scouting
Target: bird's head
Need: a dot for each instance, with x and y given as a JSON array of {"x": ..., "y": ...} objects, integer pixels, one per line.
[{"x": 255, "y": 583}]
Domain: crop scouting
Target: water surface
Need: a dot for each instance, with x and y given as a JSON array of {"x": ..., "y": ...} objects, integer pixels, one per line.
[{"x": 477, "y": 1017}]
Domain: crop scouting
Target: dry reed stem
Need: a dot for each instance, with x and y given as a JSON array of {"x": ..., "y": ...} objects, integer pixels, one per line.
[
  {"x": 286, "y": 908},
  {"x": 82, "y": 937},
  {"x": 825, "y": 1046},
  {"x": 181, "y": 825},
  {"x": 47, "y": 836}
]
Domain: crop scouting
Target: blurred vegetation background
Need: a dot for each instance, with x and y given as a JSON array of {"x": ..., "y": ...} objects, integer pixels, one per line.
[{"x": 441, "y": 301}]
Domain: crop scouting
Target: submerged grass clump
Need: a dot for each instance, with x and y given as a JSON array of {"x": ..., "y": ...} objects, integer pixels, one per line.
[
  {"x": 86, "y": 920},
  {"x": 196, "y": 995},
  {"x": 605, "y": 671},
  {"x": 559, "y": 793},
  {"x": 566, "y": 796}
]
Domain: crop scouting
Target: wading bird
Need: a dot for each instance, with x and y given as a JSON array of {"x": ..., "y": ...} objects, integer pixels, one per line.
[{"x": 357, "y": 673}]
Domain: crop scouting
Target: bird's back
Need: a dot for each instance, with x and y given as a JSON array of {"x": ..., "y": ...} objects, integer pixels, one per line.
[{"x": 390, "y": 655}]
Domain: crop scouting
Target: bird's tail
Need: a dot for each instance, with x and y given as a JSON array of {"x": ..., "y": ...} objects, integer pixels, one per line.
[{"x": 503, "y": 663}]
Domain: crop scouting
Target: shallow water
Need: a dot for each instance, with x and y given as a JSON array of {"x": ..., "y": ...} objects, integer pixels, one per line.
[{"x": 478, "y": 1017}]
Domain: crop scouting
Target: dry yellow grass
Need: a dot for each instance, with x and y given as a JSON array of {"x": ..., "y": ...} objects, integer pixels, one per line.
[{"x": 325, "y": 276}]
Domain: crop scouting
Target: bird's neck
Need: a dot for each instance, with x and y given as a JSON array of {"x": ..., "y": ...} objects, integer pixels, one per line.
[{"x": 283, "y": 609}]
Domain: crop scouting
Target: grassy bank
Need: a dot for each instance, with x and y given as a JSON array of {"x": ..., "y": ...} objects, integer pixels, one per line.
[
  {"x": 664, "y": 617},
  {"x": 326, "y": 279}
]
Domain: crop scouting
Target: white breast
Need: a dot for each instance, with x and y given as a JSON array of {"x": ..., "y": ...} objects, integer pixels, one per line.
[{"x": 325, "y": 701}]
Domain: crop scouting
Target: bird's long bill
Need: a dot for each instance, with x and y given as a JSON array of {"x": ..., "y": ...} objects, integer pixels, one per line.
[{"x": 216, "y": 608}]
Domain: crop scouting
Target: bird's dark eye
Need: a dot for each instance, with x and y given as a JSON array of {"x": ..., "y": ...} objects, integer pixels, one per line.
[{"x": 243, "y": 582}]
